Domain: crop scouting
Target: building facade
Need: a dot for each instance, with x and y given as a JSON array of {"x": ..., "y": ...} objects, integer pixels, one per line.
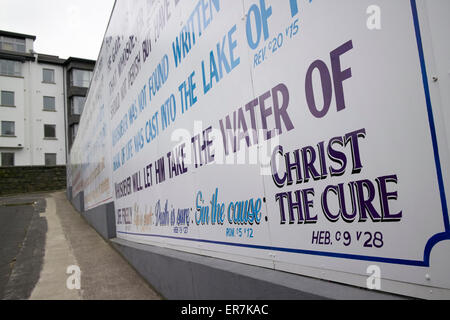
[
  {"x": 41, "y": 99},
  {"x": 78, "y": 78}
]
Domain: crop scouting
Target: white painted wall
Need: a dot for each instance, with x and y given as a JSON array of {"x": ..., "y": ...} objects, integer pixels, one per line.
[
  {"x": 15, "y": 144},
  {"x": 16, "y": 113},
  {"x": 29, "y": 145},
  {"x": 40, "y": 117}
]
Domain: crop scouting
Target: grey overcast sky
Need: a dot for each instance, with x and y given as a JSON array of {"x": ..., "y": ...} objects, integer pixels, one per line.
[{"x": 66, "y": 28}]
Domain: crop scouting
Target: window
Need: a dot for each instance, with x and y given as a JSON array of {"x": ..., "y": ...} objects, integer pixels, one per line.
[
  {"x": 77, "y": 105},
  {"x": 10, "y": 68},
  {"x": 7, "y": 99},
  {"x": 49, "y": 103},
  {"x": 48, "y": 75},
  {"x": 8, "y": 129},
  {"x": 50, "y": 131},
  {"x": 74, "y": 130},
  {"x": 7, "y": 159},
  {"x": 80, "y": 78},
  {"x": 50, "y": 159},
  {"x": 12, "y": 44}
]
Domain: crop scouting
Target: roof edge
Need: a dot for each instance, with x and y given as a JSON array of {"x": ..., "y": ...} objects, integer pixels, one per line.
[{"x": 16, "y": 35}]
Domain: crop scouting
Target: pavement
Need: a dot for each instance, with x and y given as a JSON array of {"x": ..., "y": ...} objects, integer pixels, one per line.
[{"x": 47, "y": 249}]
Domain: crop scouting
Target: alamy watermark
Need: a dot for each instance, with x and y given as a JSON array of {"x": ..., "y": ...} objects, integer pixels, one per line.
[
  {"x": 374, "y": 280},
  {"x": 74, "y": 280}
]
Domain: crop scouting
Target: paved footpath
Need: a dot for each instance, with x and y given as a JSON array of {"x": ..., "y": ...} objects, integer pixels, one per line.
[{"x": 41, "y": 235}]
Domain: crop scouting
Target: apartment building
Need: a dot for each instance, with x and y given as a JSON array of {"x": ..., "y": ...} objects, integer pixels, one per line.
[{"x": 41, "y": 100}]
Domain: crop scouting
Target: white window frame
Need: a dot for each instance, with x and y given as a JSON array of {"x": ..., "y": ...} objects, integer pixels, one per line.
[
  {"x": 14, "y": 129},
  {"x": 10, "y": 68},
  {"x": 50, "y": 154},
  {"x": 16, "y": 43},
  {"x": 53, "y": 125},
  {"x": 2, "y": 103},
  {"x": 54, "y": 103},
  {"x": 53, "y": 75},
  {"x": 13, "y": 158}
]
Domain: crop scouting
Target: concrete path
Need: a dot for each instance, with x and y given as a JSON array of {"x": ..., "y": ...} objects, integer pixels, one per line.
[{"x": 41, "y": 236}]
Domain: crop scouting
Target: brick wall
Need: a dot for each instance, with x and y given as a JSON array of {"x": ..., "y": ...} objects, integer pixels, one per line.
[{"x": 16, "y": 180}]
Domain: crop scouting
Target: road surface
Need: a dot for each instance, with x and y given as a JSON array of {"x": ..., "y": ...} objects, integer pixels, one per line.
[{"x": 41, "y": 236}]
